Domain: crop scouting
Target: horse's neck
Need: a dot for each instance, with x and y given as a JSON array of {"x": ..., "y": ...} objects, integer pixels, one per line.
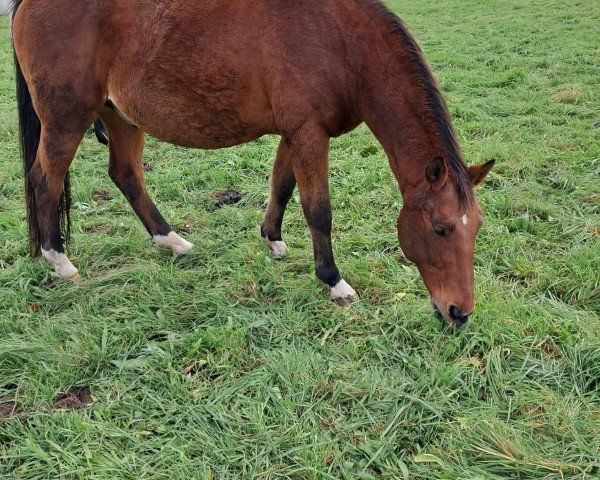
[
  {"x": 396, "y": 109},
  {"x": 400, "y": 123}
]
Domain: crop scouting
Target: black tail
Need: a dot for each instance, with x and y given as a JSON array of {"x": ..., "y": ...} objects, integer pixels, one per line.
[
  {"x": 30, "y": 129},
  {"x": 101, "y": 132}
]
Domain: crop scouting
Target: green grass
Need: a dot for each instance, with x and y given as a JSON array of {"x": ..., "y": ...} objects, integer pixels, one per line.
[{"x": 284, "y": 383}]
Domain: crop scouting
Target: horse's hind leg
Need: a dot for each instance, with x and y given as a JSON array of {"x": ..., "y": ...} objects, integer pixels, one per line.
[
  {"x": 126, "y": 144},
  {"x": 283, "y": 183},
  {"x": 54, "y": 156}
]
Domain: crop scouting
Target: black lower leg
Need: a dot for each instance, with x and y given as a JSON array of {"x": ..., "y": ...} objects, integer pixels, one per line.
[
  {"x": 271, "y": 227},
  {"x": 48, "y": 220},
  {"x": 319, "y": 219},
  {"x": 134, "y": 190},
  {"x": 283, "y": 183}
]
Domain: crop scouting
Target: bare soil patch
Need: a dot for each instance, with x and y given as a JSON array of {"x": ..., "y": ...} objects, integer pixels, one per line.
[
  {"x": 227, "y": 197},
  {"x": 74, "y": 399}
]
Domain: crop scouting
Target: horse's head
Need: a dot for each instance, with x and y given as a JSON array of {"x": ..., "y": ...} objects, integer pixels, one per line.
[{"x": 437, "y": 232}]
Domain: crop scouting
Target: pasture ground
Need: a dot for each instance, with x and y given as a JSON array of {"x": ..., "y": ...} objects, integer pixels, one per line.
[{"x": 225, "y": 364}]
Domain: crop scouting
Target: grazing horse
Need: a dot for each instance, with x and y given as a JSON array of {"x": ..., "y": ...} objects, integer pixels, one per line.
[{"x": 219, "y": 73}]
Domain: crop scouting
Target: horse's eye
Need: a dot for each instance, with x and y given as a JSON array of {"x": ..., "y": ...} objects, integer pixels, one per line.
[{"x": 440, "y": 232}]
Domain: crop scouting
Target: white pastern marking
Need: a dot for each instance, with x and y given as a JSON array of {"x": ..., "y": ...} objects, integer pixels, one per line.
[
  {"x": 343, "y": 291},
  {"x": 172, "y": 242},
  {"x": 464, "y": 219},
  {"x": 277, "y": 249},
  {"x": 62, "y": 265}
]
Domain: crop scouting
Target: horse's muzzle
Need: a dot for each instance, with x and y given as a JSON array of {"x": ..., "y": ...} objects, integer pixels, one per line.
[{"x": 456, "y": 317}]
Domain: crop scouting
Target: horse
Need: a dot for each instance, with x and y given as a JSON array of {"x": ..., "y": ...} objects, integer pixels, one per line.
[{"x": 220, "y": 73}]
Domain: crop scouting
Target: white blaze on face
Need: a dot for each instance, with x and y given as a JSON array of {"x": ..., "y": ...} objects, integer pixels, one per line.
[
  {"x": 172, "y": 242},
  {"x": 61, "y": 264},
  {"x": 464, "y": 219}
]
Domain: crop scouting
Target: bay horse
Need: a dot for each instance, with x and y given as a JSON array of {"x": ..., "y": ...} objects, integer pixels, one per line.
[{"x": 213, "y": 74}]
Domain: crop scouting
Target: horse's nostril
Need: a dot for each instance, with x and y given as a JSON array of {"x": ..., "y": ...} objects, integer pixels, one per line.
[{"x": 457, "y": 316}]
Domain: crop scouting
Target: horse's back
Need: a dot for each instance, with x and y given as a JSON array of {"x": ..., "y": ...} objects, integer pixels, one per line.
[
  {"x": 201, "y": 74},
  {"x": 230, "y": 70}
]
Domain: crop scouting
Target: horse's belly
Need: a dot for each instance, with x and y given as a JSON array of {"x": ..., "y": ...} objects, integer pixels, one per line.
[
  {"x": 205, "y": 107},
  {"x": 192, "y": 122},
  {"x": 197, "y": 127}
]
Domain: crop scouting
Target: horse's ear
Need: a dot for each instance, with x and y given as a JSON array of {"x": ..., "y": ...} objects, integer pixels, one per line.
[
  {"x": 437, "y": 173},
  {"x": 479, "y": 172}
]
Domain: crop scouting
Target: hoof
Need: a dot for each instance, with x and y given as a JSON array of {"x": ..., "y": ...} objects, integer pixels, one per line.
[
  {"x": 277, "y": 249},
  {"x": 345, "y": 302},
  {"x": 172, "y": 242},
  {"x": 61, "y": 264},
  {"x": 184, "y": 248},
  {"x": 76, "y": 278},
  {"x": 343, "y": 294}
]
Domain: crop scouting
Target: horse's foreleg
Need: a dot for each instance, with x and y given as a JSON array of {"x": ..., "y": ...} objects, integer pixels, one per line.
[
  {"x": 54, "y": 156},
  {"x": 309, "y": 157},
  {"x": 126, "y": 144},
  {"x": 283, "y": 183}
]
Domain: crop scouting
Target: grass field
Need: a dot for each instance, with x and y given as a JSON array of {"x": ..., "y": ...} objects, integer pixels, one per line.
[{"x": 224, "y": 364}]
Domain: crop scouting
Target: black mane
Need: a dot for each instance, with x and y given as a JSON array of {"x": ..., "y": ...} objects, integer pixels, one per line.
[
  {"x": 435, "y": 102},
  {"x": 12, "y": 8}
]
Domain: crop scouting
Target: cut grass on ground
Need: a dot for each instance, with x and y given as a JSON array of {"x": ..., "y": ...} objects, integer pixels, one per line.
[{"x": 224, "y": 364}]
